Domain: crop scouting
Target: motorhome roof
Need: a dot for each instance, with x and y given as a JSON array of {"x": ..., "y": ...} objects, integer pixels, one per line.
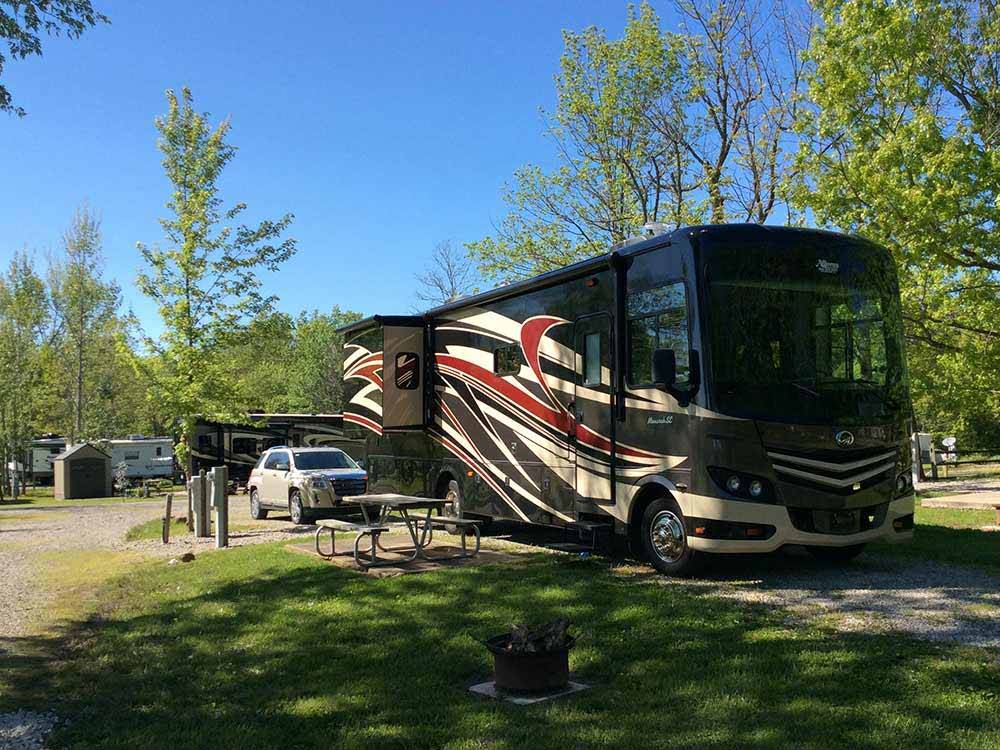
[{"x": 583, "y": 267}]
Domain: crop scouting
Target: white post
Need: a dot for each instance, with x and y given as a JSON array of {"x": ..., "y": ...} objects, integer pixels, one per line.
[{"x": 220, "y": 502}]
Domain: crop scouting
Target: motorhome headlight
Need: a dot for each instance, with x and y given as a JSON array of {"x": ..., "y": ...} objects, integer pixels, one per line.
[{"x": 739, "y": 485}]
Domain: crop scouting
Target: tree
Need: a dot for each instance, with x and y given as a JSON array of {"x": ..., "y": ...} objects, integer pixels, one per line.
[
  {"x": 86, "y": 308},
  {"x": 23, "y": 323},
  {"x": 22, "y": 21},
  {"x": 904, "y": 148},
  {"x": 317, "y": 381},
  {"x": 205, "y": 280},
  {"x": 613, "y": 172},
  {"x": 449, "y": 276},
  {"x": 658, "y": 127}
]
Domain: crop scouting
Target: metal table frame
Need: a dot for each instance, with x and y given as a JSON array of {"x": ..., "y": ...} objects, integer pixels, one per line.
[{"x": 420, "y": 529}]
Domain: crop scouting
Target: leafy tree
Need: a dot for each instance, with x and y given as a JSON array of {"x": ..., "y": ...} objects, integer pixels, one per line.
[
  {"x": 904, "y": 147},
  {"x": 86, "y": 309},
  {"x": 613, "y": 174},
  {"x": 22, "y": 21},
  {"x": 205, "y": 280},
  {"x": 316, "y": 383},
  {"x": 658, "y": 127},
  {"x": 24, "y": 322},
  {"x": 450, "y": 275}
]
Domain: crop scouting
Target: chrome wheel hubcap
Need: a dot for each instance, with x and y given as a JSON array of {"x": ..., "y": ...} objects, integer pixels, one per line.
[{"x": 666, "y": 533}]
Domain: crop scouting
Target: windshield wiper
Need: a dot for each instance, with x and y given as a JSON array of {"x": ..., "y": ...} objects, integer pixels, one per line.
[{"x": 801, "y": 387}]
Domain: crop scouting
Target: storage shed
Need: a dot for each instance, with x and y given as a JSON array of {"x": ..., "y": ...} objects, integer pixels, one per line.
[{"x": 82, "y": 471}]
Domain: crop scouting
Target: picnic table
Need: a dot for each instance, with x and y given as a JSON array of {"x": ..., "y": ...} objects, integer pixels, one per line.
[{"x": 376, "y": 511}]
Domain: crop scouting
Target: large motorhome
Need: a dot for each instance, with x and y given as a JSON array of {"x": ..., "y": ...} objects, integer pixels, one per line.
[
  {"x": 144, "y": 457},
  {"x": 238, "y": 446},
  {"x": 716, "y": 389}
]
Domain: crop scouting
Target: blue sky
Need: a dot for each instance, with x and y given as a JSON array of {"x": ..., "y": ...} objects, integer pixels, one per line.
[{"x": 385, "y": 127}]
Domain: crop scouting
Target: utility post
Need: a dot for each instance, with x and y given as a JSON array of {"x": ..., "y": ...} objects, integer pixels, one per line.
[{"x": 220, "y": 503}]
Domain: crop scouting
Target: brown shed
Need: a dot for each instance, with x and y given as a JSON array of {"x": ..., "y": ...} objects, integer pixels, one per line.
[{"x": 82, "y": 471}]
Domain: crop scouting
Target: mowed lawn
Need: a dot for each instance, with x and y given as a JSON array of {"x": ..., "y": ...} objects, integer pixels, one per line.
[
  {"x": 42, "y": 497},
  {"x": 257, "y": 647}
]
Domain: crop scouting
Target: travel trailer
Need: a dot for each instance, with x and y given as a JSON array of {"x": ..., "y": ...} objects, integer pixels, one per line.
[
  {"x": 41, "y": 453},
  {"x": 239, "y": 446},
  {"x": 144, "y": 457},
  {"x": 726, "y": 389}
]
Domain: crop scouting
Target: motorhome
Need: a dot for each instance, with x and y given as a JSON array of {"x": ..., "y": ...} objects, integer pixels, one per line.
[
  {"x": 715, "y": 389},
  {"x": 144, "y": 457},
  {"x": 40, "y": 455},
  {"x": 238, "y": 446}
]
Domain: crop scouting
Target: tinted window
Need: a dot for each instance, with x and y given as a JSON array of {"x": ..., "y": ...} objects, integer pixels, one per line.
[
  {"x": 245, "y": 445},
  {"x": 273, "y": 459},
  {"x": 507, "y": 360},
  {"x": 323, "y": 460},
  {"x": 592, "y": 359},
  {"x": 658, "y": 319}
]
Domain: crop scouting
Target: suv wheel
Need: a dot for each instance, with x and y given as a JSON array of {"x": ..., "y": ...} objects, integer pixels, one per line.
[
  {"x": 256, "y": 512},
  {"x": 664, "y": 538},
  {"x": 296, "y": 510}
]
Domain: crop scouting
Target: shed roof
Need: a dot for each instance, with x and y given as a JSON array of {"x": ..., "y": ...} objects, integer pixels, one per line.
[{"x": 79, "y": 450}]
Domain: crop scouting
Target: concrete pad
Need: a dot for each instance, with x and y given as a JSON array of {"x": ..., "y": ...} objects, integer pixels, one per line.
[
  {"x": 965, "y": 501},
  {"x": 489, "y": 690},
  {"x": 345, "y": 559}
]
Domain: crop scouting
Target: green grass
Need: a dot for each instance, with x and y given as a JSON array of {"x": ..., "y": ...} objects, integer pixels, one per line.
[
  {"x": 256, "y": 647},
  {"x": 153, "y": 529},
  {"x": 952, "y": 536}
]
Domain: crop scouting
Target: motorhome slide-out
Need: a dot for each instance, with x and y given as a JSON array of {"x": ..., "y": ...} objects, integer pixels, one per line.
[{"x": 716, "y": 389}]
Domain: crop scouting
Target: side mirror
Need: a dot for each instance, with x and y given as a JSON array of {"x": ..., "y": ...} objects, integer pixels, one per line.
[
  {"x": 281, "y": 467},
  {"x": 664, "y": 368}
]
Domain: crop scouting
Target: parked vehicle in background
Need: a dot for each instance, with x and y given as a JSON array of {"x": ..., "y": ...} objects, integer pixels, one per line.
[
  {"x": 144, "y": 457},
  {"x": 305, "y": 482},
  {"x": 41, "y": 453},
  {"x": 715, "y": 389},
  {"x": 239, "y": 446}
]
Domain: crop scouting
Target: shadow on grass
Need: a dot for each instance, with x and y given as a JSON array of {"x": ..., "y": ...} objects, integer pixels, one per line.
[{"x": 260, "y": 648}]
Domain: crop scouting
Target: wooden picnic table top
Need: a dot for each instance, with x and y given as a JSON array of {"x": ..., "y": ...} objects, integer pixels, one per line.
[{"x": 390, "y": 500}]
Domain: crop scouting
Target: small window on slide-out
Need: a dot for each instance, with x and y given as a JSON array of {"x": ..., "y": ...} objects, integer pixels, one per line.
[
  {"x": 407, "y": 371},
  {"x": 507, "y": 360}
]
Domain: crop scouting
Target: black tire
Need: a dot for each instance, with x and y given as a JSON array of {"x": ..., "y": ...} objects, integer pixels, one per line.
[
  {"x": 256, "y": 512},
  {"x": 664, "y": 539},
  {"x": 836, "y": 555},
  {"x": 298, "y": 512}
]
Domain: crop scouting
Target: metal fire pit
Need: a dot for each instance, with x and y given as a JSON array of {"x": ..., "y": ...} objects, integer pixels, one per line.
[{"x": 529, "y": 673}]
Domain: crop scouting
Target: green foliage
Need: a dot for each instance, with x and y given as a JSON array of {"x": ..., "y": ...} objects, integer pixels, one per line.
[
  {"x": 316, "y": 383},
  {"x": 86, "y": 311},
  {"x": 21, "y": 22},
  {"x": 904, "y": 148},
  {"x": 657, "y": 127},
  {"x": 24, "y": 320},
  {"x": 611, "y": 167},
  {"x": 205, "y": 280}
]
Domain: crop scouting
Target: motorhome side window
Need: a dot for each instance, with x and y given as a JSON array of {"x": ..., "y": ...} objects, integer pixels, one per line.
[
  {"x": 592, "y": 359},
  {"x": 658, "y": 319},
  {"x": 407, "y": 371},
  {"x": 245, "y": 445},
  {"x": 507, "y": 360}
]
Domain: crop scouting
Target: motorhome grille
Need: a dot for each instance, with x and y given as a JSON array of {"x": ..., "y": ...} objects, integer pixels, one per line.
[
  {"x": 841, "y": 473},
  {"x": 349, "y": 487}
]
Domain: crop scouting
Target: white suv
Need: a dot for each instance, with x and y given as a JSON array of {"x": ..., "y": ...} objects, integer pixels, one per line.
[{"x": 305, "y": 482}]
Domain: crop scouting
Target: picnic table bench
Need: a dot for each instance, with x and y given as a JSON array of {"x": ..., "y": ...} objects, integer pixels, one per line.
[{"x": 376, "y": 509}]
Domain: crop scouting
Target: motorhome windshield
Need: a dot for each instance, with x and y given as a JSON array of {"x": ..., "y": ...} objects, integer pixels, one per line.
[
  {"x": 308, "y": 460},
  {"x": 806, "y": 332}
]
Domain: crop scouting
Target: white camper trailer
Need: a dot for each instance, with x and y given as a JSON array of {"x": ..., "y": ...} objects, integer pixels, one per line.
[
  {"x": 41, "y": 453},
  {"x": 145, "y": 457}
]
